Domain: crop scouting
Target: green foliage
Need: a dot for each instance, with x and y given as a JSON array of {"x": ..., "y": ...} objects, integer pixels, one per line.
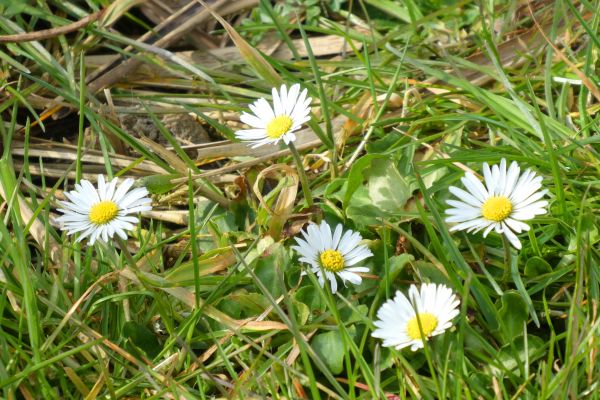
[
  {"x": 329, "y": 346},
  {"x": 209, "y": 301}
]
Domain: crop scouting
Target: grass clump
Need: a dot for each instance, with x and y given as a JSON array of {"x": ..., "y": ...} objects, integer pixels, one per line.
[{"x": 314, "y": 265}]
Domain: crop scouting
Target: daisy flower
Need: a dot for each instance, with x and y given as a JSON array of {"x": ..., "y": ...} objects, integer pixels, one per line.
[
  {"x": 101, "y": 213},
  {"x": 507, "y": 199},
  {"x": 409, "y": 321},
  {"x": 279, "y": 122},
  {"x": 330, "y": 254}
]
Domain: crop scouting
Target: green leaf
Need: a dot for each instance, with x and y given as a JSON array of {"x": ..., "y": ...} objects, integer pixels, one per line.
[
  {"x": 355, "y": 176},
  {"x": 537, "y": 266},
  {"x": 142, "y": 338},
  {"x": 330, "y": 348},
  {"x": 310, "y": 296},
  {"x": 513, "y": 313},
  {"x": 388, "y": 190},
  {"x": 518, "y": 352},
  {"x": 396, "y": 266},
  {"x": 431, "y": 272},
  {"x": 361, "y": 210},
  {"x": 352, "y": 315},
  {"x": 302, "y": 313},
  {"x": 266, "y": 270},
  {"x": 158, "y": 184},
  {"x": 393, "y": 8},
  {"x": 251, "y": 303}
]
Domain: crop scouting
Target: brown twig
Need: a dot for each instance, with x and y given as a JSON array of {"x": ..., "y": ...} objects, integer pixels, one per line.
[
  {"x": 49, "y": 33},
  {"x": 164, "y": 34}
]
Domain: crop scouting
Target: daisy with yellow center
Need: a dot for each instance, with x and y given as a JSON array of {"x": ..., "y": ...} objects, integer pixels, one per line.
[
  {"x": 272, "y": 124},
  {"x": 506, "y": 200},
  {"x": 332, "y": 254},
  {"x": 410, "y": 321},
  {"x": 103, "y": 212}
]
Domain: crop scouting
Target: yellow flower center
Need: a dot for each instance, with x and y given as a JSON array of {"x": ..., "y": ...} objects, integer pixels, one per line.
[
  {"x": 103, "y": 212},
  {"x": 496, "y": 208},
  {"x": 332, "y": 260},
  {"x": 278, "y": 126},
  {"x": 428, "y": 324}
]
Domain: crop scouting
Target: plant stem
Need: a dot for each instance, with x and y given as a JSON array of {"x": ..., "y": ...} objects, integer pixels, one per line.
[
  {"x": 507, "y": 259},
  {"x": 122, "y": 281},
  {"x": 302, "y": 174},
  {"x": 125, "y": 252}
]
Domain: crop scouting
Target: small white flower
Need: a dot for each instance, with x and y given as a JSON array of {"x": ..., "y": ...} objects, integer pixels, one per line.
[
  {"x": 332, "y": 254},
  {"x": 101, "y": 213},
  {"x": 433, "y": 308},
  {"x": 506, "y": 200},
  {"x": 272, "y": 124}
]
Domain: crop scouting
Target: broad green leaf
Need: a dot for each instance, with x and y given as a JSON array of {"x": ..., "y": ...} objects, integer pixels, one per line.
[
  {"x": 355, "y": 176},
  {"x": 142, "y": 338},
  {"x": 250, "y": 303},
  {"x": 354, "y": 314},
  {"x": 330, "y": 348},
  {"x": 158, "y": 184},
  {"x": 517, "y": 352},
  {"x": 388, "y": 190},
  {"x": 361, "y": 210},
  {"x": 537, "y": 266},
  {"x": 310, "y": 296},
  {"x": 513, "y": 313},
  {"x": 266, "y": 270},
  {"x": 303, "y": 314}
]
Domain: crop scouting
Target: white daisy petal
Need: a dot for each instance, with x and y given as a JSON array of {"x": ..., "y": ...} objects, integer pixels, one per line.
[
  {"x": 349, "y": 241},
  {"x": 334, "y": 253},
  {"x": 134, "y": 196},
  {"x": 458, "y": 215},
  {"x": 272, "y": 124},
  {"x": 516, "y": 226},
  {"x": 89, "y": 191},
  {"x": 278, "y": 106},
  {"x": 123, "y": 189},
  {"x": 103, "y": 212},
  {"x": 283, "y": 96},
  {"x": 488, "y": 179},
  {"x": 357, "y": 255},
  {"x": 475, "y": 187},
  {"x": 264, "y": 109},
  {"x": 466, "y": 196},
  {"x": 403, "y": 322},
  {"x": 101, "y": 187},
  {"x": 250, "y": 134},
  {"x": 332, "y": 282},
  {"x": 253, "y": 121},
  {"x": 357, "y": 269},
  {"x": 292, "y": 99},
  {"x": 351, "y": 277},
  {"x": 288, "y": 138},
  {"x": 529, "y": 200},
  {"x": 512, "y": 238},
  {"x": 487, "y": 230},
  {"x": 502, "y": 204},
  {"x": 337, "y": 235},
  {"x": 511, "y": 179},
  {"x": 300, "y": 110},
  {"x": 475, "y": 224}
]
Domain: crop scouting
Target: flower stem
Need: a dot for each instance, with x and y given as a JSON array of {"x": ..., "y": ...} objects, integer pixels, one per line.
[
  {"x": 302, "y": 174},
  {"x": 125, "y": 252},
  {"x": 122, "y": 281},
  {"x": 507, "y": 259}
]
